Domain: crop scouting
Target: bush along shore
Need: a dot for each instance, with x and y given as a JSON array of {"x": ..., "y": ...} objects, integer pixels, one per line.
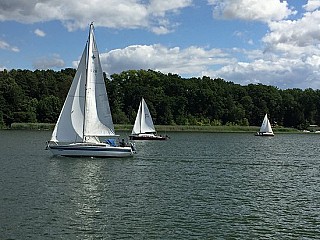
[{"x": 164, "y": 128}]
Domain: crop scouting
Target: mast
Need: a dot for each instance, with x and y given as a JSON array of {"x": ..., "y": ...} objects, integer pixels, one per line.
[{"x": 85, "y": 88}]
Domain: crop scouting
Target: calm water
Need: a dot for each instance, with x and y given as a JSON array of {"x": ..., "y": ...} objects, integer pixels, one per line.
[{"x": 194, "y": 186}]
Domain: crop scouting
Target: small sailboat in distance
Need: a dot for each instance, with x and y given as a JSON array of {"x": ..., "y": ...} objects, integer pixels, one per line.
[
  {"x": 265, "y": 129},
  {"x": 86, "y": 114},
  {"x": 143, "y": 128}
]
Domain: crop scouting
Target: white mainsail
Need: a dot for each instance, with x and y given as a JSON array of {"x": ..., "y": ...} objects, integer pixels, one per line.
[
  {"x": 98, "y": 119},
  {"x": 266, "y": 126},
  {"x": 86, "y": 111},
  {"x": 143, "y": 122}
]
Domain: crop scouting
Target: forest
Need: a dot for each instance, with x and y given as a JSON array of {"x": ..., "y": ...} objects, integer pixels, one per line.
[{"x": 38, "y": 96}]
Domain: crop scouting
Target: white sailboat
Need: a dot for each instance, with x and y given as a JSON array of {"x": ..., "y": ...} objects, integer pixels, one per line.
[
  {"x": 143, "y": 128},
  {"x": 265, "y": 129},
  {"x": 86, "y": 114}
]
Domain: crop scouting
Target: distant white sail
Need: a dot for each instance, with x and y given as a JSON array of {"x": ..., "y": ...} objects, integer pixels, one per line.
[
  {"x": 143, "y": 122},
  {"x": 266, "y": 126}
]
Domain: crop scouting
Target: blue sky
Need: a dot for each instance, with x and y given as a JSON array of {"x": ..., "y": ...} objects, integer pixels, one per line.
[{"x": 271, "y": 42}]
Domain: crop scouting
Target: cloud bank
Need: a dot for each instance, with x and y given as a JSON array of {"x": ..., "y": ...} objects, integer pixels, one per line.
[
  {"x": 287, "y": 55},
  {"x": 160, "y": 58},
  {"x": 153, "y": 15},
  {"x": 251, "y": 10}
]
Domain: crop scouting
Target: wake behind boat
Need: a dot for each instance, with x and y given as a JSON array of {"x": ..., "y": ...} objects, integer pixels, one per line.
[
  {"x": 143, "y": 128},
  {"x": 86, "y": 114},
  {"x": 265, "y": 129}
]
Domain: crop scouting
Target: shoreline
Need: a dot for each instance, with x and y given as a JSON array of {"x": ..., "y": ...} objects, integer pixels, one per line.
[{"x": 165, "y": 128}]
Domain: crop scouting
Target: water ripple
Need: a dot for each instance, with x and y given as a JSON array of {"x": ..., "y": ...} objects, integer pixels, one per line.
[{"x": 194, "y": 186}]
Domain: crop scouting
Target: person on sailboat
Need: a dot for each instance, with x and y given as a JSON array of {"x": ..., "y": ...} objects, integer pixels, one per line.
[{"x": 122, "y": 143}]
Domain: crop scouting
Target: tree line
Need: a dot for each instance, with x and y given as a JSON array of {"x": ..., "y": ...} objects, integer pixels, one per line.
[{"x": 38, "y": 96}]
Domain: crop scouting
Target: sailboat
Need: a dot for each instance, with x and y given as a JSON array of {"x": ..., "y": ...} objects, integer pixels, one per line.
[
  {"x": 265, "y": 129},
  {"x": 143, "y": 128},
  {"x": 86, "y": 115}
]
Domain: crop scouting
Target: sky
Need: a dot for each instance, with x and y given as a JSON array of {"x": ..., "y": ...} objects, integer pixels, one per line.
[{"x": 272, "y": 42}]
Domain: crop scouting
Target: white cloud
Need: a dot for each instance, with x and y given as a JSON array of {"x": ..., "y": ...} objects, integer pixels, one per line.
[
  {"x": 160, "y": 58},
  {"x": 285, "y": 70},
  {"x": 160, "y": 30},
  {"x": 296, "y": 37},
  {"x": 50, "y": 62},
  {"x": 76, "y": 14},
  {"x": 6, "y": 46},
  {"x": 39, "y": 33},
  {"x": 163, "y": 27},
  {"x": 256, "y": 10},
  {"x": 160, "y": 8},
  {"x": 281, "y": 72},
  {"x": 312, "y": 5}
]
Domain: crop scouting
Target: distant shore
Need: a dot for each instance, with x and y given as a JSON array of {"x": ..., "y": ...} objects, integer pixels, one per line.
[
  {"x": 217, "y": 129},
  {"x": 165, "y": 128}
]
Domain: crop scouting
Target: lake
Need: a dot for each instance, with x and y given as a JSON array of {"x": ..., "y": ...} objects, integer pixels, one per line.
[{"x": 193, "y": 186}]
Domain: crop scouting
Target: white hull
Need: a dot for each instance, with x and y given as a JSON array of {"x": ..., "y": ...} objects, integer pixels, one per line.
[
  {"x": 265, "y": 134},
  {"x": 90, "y": 150},
  {"x": 147, "y": 136}
]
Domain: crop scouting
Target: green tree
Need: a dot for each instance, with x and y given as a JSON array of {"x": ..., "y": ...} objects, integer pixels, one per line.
[
  {"x": 2, "y": 125},
  {"x": 48, "y": 109}
]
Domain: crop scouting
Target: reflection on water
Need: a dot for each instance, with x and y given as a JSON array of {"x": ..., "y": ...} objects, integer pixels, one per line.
[{"x": 193, "y": 186}]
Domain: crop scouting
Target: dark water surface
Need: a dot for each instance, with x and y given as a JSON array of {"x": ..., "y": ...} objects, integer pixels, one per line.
[{"x": 194, "y": 186}]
